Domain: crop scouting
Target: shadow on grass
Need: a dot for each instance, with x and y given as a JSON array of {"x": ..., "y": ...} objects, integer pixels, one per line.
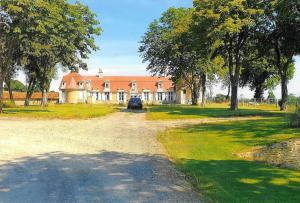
[
  {"x": 102, "y": 177},
  {"x": 25, "y": 111},
  {"x": 242, "y": 181},
  {"x": 212, "y": 112},
  {"x": 251, "y": 133}
]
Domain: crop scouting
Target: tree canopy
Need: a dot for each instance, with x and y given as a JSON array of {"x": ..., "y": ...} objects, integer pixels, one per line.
[
  {"x": 16, "y": 86},
  {"x": 242, "y": 42},
  {"x": 48, "y": 34}
]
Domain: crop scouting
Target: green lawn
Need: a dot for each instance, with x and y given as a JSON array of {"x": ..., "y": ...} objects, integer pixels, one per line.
[
  {"x": 65, "y": 111},
  {"x": 207, "y": 155},
  {"x": 169, "y": 112}
]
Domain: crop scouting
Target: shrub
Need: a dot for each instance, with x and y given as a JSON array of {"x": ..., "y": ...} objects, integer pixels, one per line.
[{"x": 295, "y": 118}]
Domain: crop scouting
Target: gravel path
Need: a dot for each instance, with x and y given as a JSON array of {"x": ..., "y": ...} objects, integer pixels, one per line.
[{"x": 111, "y": 159}]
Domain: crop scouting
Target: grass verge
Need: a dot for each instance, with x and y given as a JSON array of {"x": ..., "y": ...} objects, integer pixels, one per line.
[
  {"x": 171, "y": 112},
  {"x": 207, "y": 155},
  {"x": 65, "y": 111}
]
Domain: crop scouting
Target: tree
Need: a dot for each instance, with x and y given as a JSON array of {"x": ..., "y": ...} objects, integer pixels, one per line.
[
  {"x": 271, "y": 96},
  {"x": 225, "y": 80},
  {"x": 220, "y": 98},
  {"x": 53, "y": 32},
  {"x": 16, "y": 86},
  {"x": 169, "y": 47},
  {"x": 293, "y": 99},
  {"x": 9, "y": 85},
  {"x": 259, "y": 75},
  {"x": 282, "y": 30},
  {"x": 31, "y": 80},
  {"x": 230, "y": 25},
  {"x": 7, "y": 49}
]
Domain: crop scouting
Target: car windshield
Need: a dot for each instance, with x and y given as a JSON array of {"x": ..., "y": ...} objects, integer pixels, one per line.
[{"x": 135, "y": 100}]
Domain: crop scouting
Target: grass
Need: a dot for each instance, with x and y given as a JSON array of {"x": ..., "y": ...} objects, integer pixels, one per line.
[
  {"x": 170, "y": 112},
  {"x": 65, "y": 111},
  {"x": 207, "y": 155}
]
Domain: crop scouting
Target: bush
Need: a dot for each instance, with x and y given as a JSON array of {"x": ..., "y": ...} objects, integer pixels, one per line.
[{"x": 295, "y": 118}]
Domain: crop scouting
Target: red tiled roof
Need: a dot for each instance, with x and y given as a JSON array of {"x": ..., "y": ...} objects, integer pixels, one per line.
[
  {"x": 35, "y": 95},
  {"x": 116, "y": 82}
]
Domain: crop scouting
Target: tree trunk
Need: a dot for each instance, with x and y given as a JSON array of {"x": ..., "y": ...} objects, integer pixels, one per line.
[
  {"x": 259, "y": 93},
  {"x": 27, "y": 99},
  {"x": 284, "y": 92},
  {"x": 1, "y": 93},
  {"x": 194, "y": 97},
  {"x": 228, "y": 92},
  {"x": 203, "y": 88},
  {"x": 11, "y": 96},
  {"x": 44, "y": 98},
  {"x": 234, "y": 97},
  {"x": 235, "y": 83},
  {"x": 30, "y": 89}
]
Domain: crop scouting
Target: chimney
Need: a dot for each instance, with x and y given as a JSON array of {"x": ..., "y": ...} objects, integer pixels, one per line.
[{"x": 100, "y": 73}]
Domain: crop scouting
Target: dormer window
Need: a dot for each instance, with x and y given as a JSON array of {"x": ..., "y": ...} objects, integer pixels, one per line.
[
  {"x": 160, "y": 85},
  {"x": 63, "y": 83},
  {"x": 80, "y": 84},
  {"x": 133, "y": 85},
  {"x": 88, "y": 83},
  {"x": 106, "y": 85}
]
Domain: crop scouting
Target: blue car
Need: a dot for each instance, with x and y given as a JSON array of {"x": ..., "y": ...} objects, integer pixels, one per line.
[{"x": 135, "y": 103}]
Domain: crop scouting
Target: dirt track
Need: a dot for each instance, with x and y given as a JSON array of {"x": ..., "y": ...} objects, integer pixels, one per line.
[{"x": 111, "y": 159}]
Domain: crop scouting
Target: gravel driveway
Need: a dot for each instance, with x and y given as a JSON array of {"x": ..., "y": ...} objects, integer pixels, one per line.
[{"x": 111, "y": 159}]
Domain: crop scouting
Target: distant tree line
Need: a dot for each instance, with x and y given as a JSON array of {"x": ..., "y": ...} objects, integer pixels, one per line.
[
  {"x": 239, "y": 42},
  {"x": 40, "y": 36}
]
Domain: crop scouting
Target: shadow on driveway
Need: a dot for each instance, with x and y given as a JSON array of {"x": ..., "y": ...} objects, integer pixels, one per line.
[{"x": 103, "y": 177}]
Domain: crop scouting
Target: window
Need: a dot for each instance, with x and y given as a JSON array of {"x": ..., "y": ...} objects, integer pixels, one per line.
[
  {"x": 107, "y": 96},
  {"x": 97, "y": 95},
  {"x": 170, "y": 96},
  {"x": 159, "y": 86},
  {"x": 159, "y": 96},
  {"x": 106, "y": 85},
  {"x": 146, "y": 96},
  {"x": 121, "y": 96}
]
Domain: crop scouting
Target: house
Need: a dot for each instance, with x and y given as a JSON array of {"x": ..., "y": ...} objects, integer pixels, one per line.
[{"x": 77, "y": 88}]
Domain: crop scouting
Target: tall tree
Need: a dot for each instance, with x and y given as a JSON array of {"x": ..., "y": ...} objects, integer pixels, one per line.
[
  {"x": 169, "y": 47},
  {"x": 7, "y": 49},
  {"x": 9, "y": 83},
  {"x": 52, "y": 32},
  {"x": 258, "y": 74},
  {"x": 230, "y": 26},
  {"x": 282, "y": 32}
]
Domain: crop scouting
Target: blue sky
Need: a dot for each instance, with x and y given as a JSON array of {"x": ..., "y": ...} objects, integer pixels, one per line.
[{"x": 124, "y": 22}]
